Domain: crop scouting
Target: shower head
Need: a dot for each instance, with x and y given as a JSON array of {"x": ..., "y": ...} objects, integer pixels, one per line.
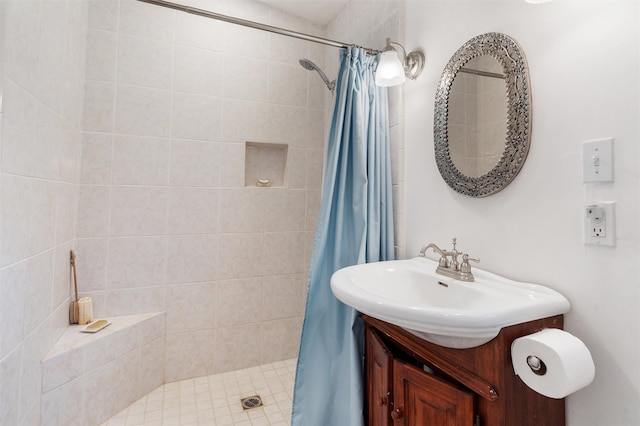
[{"x": 308, "y": 65}]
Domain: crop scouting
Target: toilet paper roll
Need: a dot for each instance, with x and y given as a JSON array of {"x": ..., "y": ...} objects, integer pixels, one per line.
[{"x": 552, "y": 362}]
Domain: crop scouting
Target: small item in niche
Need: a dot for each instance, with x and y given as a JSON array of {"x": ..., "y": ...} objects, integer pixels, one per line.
[
  {"x": 96, "y": 326},
  {"x": 263, "y": 182}
]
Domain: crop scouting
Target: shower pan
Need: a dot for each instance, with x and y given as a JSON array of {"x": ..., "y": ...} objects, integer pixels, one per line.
[{"x": 307, "y": 64}]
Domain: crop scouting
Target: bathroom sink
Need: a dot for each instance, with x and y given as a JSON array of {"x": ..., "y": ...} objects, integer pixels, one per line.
[{"x": 439, "y": 309}]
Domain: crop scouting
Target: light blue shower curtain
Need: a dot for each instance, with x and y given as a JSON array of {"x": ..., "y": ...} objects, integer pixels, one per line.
[{"x": 355, "y": 225}]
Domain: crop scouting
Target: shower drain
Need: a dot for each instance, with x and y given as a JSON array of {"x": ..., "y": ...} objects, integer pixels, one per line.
[{"x": 251, "y": 402}]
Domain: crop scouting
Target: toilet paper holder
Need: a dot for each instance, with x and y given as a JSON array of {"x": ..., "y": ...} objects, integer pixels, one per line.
[{"x": 537, "y": 365}]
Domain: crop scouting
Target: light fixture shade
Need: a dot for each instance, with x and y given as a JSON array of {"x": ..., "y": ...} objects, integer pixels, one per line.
[{"x": 390, "y": 71}]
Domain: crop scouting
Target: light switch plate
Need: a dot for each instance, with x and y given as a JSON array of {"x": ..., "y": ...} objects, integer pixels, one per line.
[{"x": 597, "y": 160}]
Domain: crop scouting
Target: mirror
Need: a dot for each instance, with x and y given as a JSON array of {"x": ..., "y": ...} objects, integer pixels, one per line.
[{"x": 482, "y": 115}]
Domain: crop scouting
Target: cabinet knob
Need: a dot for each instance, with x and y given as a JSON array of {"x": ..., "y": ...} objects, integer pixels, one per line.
[
  {"x": 382, "y": 400},
  {"x": 396, "y": 414}
]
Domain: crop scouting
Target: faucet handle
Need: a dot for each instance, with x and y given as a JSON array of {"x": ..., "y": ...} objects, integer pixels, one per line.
[{"x": 466, "y": 266}]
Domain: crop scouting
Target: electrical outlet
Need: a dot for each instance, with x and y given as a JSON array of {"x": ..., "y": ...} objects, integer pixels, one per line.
[
  {"x": 599, "y": 224},
  {"x": 598, "y": 228}
]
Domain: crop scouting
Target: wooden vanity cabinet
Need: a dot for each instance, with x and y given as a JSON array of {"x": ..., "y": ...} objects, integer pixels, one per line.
[{"x": 410, "y": 381}]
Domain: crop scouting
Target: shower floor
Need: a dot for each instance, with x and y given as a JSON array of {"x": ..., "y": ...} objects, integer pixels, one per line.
[{"x": 215, "y": 400}]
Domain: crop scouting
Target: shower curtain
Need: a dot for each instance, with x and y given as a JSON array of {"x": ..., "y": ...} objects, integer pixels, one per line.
[{"x": 355, "y": 225}]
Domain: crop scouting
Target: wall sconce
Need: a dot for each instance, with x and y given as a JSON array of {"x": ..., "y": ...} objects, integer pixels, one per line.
[{"x": 392, "y": 69}]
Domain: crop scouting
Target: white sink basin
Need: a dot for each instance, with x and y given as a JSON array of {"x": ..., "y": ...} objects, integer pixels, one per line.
[{"x": 439, "y": 309}]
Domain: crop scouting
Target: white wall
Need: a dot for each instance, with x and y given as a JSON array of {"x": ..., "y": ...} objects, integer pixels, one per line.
[{"x": 583, "y": 59}]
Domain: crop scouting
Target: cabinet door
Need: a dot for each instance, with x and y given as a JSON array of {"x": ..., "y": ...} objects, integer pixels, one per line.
[
  {"x": 379, "y": 372},
  {"x": 423, "y": 399}
]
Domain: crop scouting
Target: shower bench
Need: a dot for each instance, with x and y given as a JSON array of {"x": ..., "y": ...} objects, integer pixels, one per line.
[{"x": 89, "y": 377}]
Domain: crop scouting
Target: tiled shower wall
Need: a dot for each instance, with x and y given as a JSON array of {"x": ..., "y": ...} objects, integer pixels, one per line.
[
  {"x": 42, "y": 59},
  {"x": 165, "y": 221}
]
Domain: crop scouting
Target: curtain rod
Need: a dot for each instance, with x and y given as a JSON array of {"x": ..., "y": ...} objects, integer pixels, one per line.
[{"x": 252, "y": 24}]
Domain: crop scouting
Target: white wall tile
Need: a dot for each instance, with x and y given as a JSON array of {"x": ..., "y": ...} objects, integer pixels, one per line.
[
  {"x": 112, "y": 387},
  {"x": 239, "y": 302},
  {"x": 13, "y": 284},
  {"x": 22, "y": 45},
  {"x": 284, "y": 210},
  {"x": 315, "y": 160},
  {"x": 280, "y": 339},
  {"x": 282, "y": 296},
  {"x": 246, "y": 41},
  {"x": 38, "y": 290},
  {"x": 192, "y": 258},
  {"x": 245, "y": 78},
  {"x": 62, "y": 277},
  {"x": 136, "y": 262},
  {"x": 196, "y": 116},
  {"x": 240, "y": 255},
  {"x": 47, "y": 137},
  {"x": 190, "y": 307},
  {"x": 142, "y": 111},
  {"x": 18, "y": 144},
  {"x": 287, "y": 84},
  {"x": 193, "y": 211},
  {"x": 136, "y": 54},
  {"x": 99, "y": 100},
  {"x": 287, "y": 50},
  {"x": 287, "y": 124},
  {"x": 101, "y": 54},
  {"x": 283, "y": 253},
  {"x": 134, "y": 300},
  {"x": 139, "y": 160},
  {"x": 194, "y": 163},
  {"x": 97, "y": 151},
  {"x": 197, "y": 71},
  {"x": 67, "y": 158},
  {"x": 93, "y": 211},
  {"x": 242, "y": 210},
  {"x": 237, "y": 347},
  {"x": 199, "y": 31},
  {"x": 232, "y": 168},
  {"x": 315, "y": 129},
  {"x": 91, "y": 263},
  {"x": 317, "y": 90},
  {"x": 146, "y": 20},
  {"x": 236, "y": 126},
  {"x": 14, "y": 226},
  {"x": 151, "y": 370},
  {"x": 9, "y": 395},
  {"x": 103, "y": 15},
  {"x": 42, "y": 208},
  {"x": 188, "y": 355},
  {"x": 138, "y": 210},
  {"x": 57, "y": 407},
  {"x": 297, "y": 168},
  {"x": 62, "y": 369},
  {"x": 50, "y": 72}
]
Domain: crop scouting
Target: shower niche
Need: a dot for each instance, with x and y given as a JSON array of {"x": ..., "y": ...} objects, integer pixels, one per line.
[{"x": 265, "y": 164}]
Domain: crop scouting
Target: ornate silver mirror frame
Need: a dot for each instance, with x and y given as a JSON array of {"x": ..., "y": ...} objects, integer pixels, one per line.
[{"x": 518, "y": 137}]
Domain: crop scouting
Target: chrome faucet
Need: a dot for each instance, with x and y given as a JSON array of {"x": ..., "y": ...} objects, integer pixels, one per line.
[{"x": 451, "y": 268}]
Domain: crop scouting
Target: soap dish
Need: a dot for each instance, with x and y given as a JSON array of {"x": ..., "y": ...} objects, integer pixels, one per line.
[{"x": 95, "y": 326}]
